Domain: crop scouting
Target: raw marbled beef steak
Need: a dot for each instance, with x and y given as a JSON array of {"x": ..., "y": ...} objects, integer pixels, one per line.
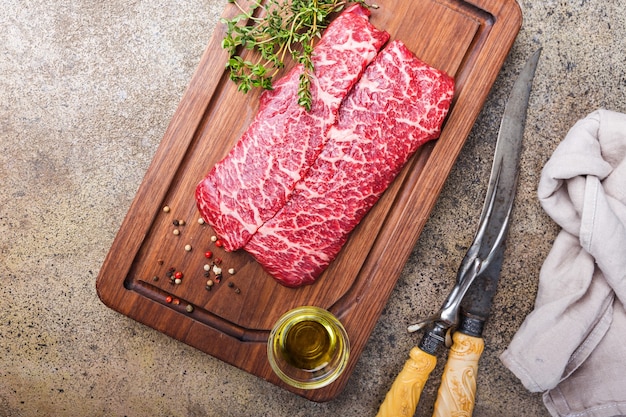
[
  {"x": 397, "y": 105},
  {"x": 255, "y": 179}
]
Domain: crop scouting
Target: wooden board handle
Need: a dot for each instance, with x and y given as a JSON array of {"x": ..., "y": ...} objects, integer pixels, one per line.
[
  {"x": 457, "y": 391},
  {"x": 404, "y": 394}
]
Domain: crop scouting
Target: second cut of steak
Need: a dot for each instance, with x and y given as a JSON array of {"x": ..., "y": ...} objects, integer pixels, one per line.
[
  {"x": 255, "y": 179},
  {"x": 398, "y": 104}
]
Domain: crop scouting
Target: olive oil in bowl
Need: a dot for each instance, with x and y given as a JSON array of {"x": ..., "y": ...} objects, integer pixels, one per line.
[
  {"x": 308, "y": 348},
  {"x": 309, "y": 345}
]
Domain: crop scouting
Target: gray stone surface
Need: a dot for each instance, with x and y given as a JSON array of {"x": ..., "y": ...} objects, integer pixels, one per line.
[{"x": 86, "y": 91}]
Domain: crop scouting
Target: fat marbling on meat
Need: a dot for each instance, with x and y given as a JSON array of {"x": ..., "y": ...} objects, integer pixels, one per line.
[
  {"x": 398, "y": 104},
  {"x": 256, "y": 178}
]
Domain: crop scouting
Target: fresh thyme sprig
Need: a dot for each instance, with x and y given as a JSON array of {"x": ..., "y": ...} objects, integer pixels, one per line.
[{"x": 283, "y": 28}]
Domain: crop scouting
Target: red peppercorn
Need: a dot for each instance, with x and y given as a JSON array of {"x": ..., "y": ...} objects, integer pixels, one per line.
[
  {"x": 208, "y": 254},
  {"x": 178, "y": 275},
  {"x": 168, "y": 299},
  {"x": 219, "y": 243}
]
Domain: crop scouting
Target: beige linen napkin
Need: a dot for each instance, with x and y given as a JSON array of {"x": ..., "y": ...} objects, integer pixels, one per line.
[{"x": 572, "y": 346}]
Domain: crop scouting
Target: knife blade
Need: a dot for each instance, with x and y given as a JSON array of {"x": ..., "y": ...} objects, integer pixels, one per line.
[{"x": 476, "y": 304}]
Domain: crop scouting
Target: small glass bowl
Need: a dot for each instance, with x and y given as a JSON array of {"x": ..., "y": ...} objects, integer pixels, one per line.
[{"x": 308, "y": 348}]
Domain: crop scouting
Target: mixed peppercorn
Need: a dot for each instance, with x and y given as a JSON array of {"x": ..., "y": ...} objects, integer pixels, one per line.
[{"x": 212, "y": 269}]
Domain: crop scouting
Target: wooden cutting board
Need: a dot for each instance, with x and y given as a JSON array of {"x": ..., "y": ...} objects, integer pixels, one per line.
[{"x": 467, "y": 39}]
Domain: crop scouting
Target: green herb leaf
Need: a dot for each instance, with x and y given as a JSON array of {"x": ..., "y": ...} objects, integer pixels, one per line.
[{"x": 285, "y": 28}]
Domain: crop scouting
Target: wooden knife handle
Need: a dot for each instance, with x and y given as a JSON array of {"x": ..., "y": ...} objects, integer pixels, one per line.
[
  {"x": 405, "y": 392},
  {"x": 457, "y": 391}
]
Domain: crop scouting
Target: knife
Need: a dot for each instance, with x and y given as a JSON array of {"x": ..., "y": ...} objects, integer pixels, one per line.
[{"x": 466, "y": 309}]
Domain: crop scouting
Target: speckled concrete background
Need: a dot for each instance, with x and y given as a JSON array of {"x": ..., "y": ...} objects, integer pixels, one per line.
[{"x": 86, "y": 91}]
